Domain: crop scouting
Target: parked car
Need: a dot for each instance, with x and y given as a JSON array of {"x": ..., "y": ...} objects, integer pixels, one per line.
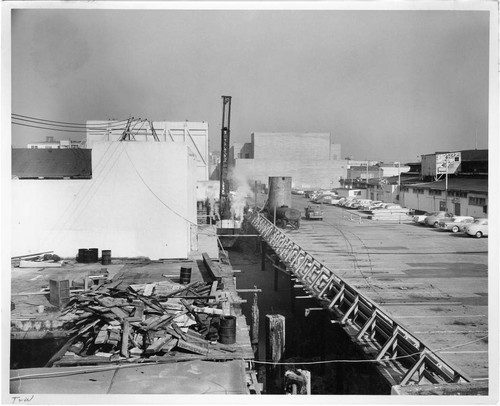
[
  {"x": 420, "y": 218},
  {"x": 350, "y": 203},
  {"x": 455, "y": 224},
  {"x": 342, "y": 201},
  {"x": 297, "y": 192},
  {"x": 335, "y": 201},
  {"x": 372, "y": 205},
  {"x": 360, "y": 203},
  {"x": 314, "y": 211},
  {"x": 345, "y": 200},
  {"x": 435, "y": 218},
  {"x": 478, "y": 228},
  {"x": 389, "y": 206},
  {"x": 324, "y": 198}
]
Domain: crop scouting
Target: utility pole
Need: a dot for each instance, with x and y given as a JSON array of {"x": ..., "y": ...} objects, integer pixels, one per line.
[
  {"x": 446, "y": 184},
  {"x": 399, "y": 180}
]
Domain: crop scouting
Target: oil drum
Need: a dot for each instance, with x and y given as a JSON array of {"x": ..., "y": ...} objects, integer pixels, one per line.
[
  {"x": 185, "y": 275},
  {"x": 94, "y": 255},
  {"x": 106, "y": 257},
  {"x": 227, "y": 330}
]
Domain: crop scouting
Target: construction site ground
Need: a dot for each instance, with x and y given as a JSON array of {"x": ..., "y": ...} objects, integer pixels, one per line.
[{"x": 33, "y": 317}]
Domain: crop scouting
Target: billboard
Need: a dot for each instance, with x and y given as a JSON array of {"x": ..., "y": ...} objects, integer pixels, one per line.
[{"x": 450, "y": 160}]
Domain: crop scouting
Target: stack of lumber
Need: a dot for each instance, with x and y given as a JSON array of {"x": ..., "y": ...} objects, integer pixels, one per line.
[{"x": 124, "y": 323}]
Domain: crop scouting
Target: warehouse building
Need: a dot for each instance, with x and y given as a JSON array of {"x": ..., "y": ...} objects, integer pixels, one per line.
[
  {"x": 444, "y": 181},
  {"x": 312, "y": 160},
  {"x": 454, "y": 181},
  {"x": 134, "y": 198}
]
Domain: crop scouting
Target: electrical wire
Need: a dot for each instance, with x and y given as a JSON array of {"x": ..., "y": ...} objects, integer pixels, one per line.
[
  {"x": 158, "y": 198},
  {"x": 110, "y": 368},
  {"x": 102, "y": 127},
  {"x": 29, "y": 118},
  {"x": 93, "y": 370},
  {"x": 373, "y": 361},
  {"x": 50, "y": 129}
]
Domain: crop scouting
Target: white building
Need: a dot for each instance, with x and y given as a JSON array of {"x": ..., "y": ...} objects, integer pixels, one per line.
[
  {"x": 192, "y": 134},
  {"x": 140, "y": 201}
]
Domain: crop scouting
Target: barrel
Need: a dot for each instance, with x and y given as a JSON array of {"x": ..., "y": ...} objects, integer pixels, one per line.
[
  {"x": 87, "y": 256},
  {"x": 227, "y": 330},
  {"x": 106, "y": 257},
  {"x": 94, "y": 255},
  {"x": 81, "y": 255},
  {"x": 185, "y": 275}
]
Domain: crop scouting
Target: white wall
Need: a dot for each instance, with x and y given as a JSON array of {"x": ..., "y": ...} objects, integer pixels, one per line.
[
  {"x": 193, "y": 134},
  {"x": 307, "y": 174},
  {"x": 122, "y": 208}
]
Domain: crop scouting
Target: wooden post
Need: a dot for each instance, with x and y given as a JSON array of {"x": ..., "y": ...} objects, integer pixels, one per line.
[
  {"x": 263, "y": 250},
  {"x": 292, "y": 295},
  {"x": 254, "y": 331},
  {"x": 275, "y": 347},
  {"x": 274, "y": 218},
  {"x": 276, "y": 276}
]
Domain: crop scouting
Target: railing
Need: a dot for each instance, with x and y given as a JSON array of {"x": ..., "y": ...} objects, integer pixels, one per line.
[{"x": 392, "y": 344}]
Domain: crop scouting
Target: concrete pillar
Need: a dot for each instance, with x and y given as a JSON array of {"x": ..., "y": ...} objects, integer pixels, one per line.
[{"x": 280, "y": 192}]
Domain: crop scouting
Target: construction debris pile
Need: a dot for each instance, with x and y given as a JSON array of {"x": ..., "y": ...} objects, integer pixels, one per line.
[{"x": 118, "y": 322}]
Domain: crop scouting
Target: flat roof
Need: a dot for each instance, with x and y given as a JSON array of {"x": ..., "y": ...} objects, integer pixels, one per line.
[{"x": 479, "y": 185}]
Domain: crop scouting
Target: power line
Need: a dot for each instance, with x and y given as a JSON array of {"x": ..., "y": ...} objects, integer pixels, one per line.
[
  {"x": 359, "y": 361},
  {"x": 103, "y": 127},
  {"x": 135, "y": 365},
  {"x": 111, "y": 122},
  {"x": 50, "y": 129}
]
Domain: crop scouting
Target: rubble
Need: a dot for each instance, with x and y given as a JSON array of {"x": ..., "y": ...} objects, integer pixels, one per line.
[{"x": 118, "y": 322}]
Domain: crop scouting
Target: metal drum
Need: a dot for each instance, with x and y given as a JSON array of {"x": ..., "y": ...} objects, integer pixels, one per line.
[
  {"x": 106, "y": 257},
  {"x": 185, "y": 275},
  {"x": 227, "y": 330}
]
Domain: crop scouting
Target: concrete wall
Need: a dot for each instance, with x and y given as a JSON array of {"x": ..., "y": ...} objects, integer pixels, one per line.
[
  {"x": 292, "y": 146},
  {"x": 309, "y": 174},
  {"x": 136, "y": 204}
]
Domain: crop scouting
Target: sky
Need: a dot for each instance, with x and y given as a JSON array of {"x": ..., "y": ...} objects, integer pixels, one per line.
[{"x": 388, "y": 85}]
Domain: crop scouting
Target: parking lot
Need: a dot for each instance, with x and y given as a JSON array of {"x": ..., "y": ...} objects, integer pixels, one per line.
[{"x": 435, "y": 283}]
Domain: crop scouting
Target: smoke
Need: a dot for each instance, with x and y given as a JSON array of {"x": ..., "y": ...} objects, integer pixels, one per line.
[{"x": 241, "y": 191}]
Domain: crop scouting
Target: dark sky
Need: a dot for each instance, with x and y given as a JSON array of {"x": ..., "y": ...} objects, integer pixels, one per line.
[{"x": 389, "y": 85}]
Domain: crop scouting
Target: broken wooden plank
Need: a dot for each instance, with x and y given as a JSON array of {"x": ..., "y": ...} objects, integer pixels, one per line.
[
  {"x": 214, "y": 270},
  {"x": 170, "y": 344},
  {"x": 158, "y": 344},
  {"x": 125, "y": 334},
  {"x": 148, "y": 289},
  {"x": 197, "y": 349},
  {"x": 192, "y": 312},
  {"x": 102, "y": 336}
]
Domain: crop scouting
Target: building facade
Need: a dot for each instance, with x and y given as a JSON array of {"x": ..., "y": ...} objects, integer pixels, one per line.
[
  {"x": 312, "y": 160},
  {"x": 193, "y": 134},
  {"x": 139, "y": 201}
]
